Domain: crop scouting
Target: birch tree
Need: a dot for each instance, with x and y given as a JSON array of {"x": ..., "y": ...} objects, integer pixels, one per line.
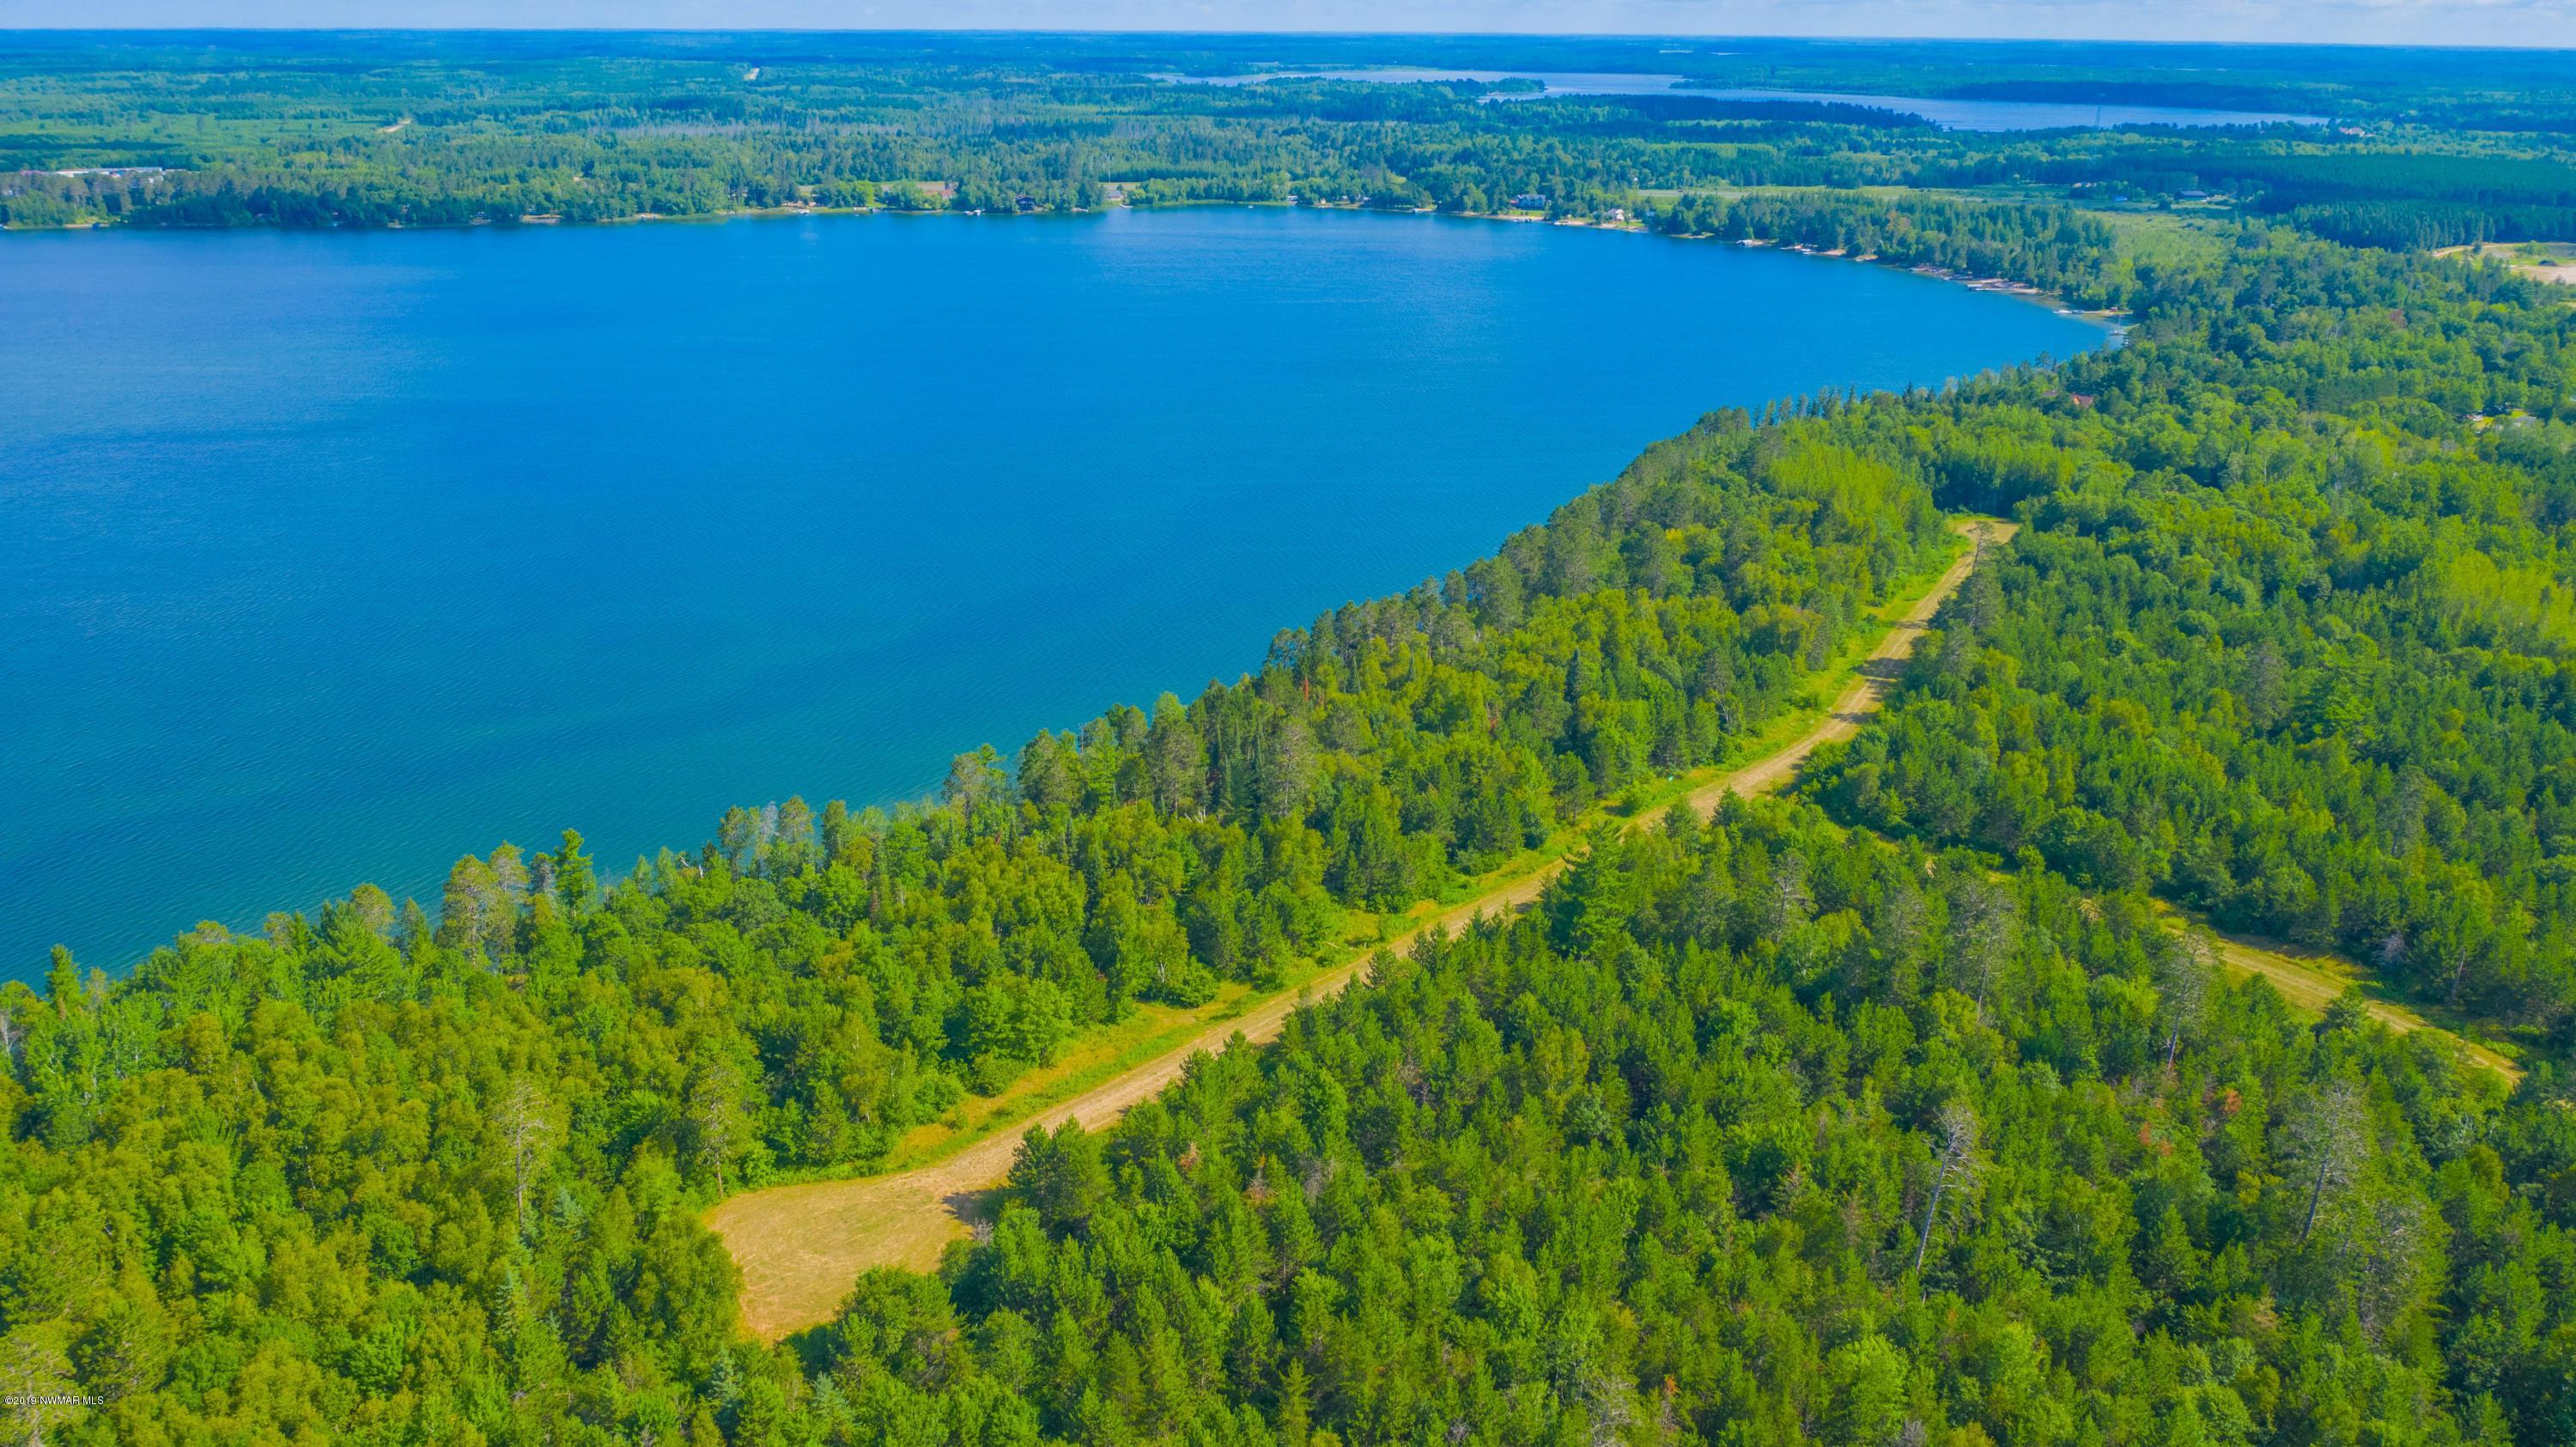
[
  {"x": 1982, "y": 926},
  {"x": 1955, "y": 1168},
  {"x": 525, "y": 1133},
  {"x": 2185, "y": 973},
  {"x": 2324, "y": 1142}
]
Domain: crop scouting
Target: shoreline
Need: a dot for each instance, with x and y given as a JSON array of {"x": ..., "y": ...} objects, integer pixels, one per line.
[
  {"x": 2115, "y": 322},
  {"x": 799, "y": 1244},
  {"x": 118, "y": 964}
]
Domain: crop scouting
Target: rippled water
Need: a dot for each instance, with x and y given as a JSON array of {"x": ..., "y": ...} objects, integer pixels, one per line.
[{"x": 334, "y": 556}]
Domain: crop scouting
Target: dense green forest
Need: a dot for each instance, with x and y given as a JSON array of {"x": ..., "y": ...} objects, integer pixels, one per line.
[
  {"x": 857, "y": 971},
  {"x": 807, "y": 987},
  {"x": 229, "y": 130},
  {"x": 1749, "y": 1135},
  {"x": 1896, "y": 1112},
  {"x": 2288, "y": 638}
]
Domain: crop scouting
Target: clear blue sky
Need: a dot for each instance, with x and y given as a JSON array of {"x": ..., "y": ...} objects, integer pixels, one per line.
[{"x": 2439, "y": 22}]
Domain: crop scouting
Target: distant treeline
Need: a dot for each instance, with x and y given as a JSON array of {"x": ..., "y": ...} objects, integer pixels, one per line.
[
  {"x": 2286, "y": 638},
  {"x": 437, "y": 135},
  {"x": 2061, "y": 251},
  {"x": 1900, "y": 1112},
  {"x": 2402, "y": 199}
]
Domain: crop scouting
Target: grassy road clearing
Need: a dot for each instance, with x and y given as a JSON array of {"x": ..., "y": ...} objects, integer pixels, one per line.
[
  {"x": 2311, "y": 980},
  {"x": 801, "y": 1246}
]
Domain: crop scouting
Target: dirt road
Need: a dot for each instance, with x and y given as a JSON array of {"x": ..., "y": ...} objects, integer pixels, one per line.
[
  {"x": 800, "y": 1247},
  {"x": 2311, "y": 981}
]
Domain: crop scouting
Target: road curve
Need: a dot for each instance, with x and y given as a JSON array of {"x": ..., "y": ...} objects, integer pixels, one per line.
[{"x": 800, "y": 1247}]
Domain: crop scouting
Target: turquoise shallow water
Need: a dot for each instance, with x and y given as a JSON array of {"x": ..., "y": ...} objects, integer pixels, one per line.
[{"x": 334, "y": 556}]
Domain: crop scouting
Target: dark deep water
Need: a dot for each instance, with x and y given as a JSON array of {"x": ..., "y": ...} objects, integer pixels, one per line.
[{"x": 331, "y": 557}]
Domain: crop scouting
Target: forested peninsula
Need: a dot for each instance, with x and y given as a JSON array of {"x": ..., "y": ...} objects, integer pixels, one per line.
[{"x": 1913, "y": 1107}]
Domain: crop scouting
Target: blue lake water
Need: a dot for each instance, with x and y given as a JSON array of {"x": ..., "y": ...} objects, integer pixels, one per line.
[
  {"x": 1953, "y": 113},
  {"x": 333, "y": 556}
]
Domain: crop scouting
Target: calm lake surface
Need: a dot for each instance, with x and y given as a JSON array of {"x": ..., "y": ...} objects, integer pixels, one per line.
[
  {"x": 1954, "y": 114},
  {"x": 332, "y": 557}
]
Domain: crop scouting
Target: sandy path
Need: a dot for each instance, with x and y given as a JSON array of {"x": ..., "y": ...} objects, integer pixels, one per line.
[
  {"x": 2313, "y": 982},
  {"x": 800, "y": 1247}
]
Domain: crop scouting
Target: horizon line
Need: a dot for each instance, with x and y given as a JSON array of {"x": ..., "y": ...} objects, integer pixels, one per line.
[{"x": 1249, "y": 34}]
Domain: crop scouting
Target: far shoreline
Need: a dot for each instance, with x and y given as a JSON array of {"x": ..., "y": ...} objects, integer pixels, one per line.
[{"x": 2113, "y": 321}]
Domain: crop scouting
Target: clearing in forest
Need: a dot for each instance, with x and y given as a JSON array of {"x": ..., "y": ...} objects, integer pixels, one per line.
[
  {"x": 800, "y": 1247},
  {"x": 2311, "y": 980},
  {"x": 2540, "y": 260}
]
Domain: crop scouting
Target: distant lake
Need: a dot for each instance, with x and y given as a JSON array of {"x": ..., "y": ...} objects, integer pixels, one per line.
[
  {"x": 334, "y": 556},
  {"x": 1951, "y": 114}
]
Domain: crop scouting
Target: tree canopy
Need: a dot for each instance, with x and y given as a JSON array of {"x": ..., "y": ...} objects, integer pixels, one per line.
[{"x": 1915, "y": 1108}]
